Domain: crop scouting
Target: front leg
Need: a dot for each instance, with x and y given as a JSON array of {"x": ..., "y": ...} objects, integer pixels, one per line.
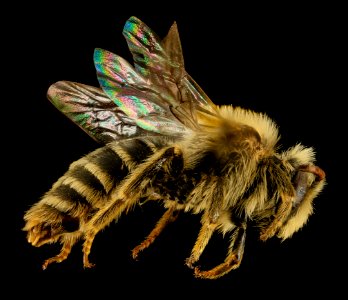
[
  {"x": 233, "y": 258},
  {"x": 283, "y": 210}
]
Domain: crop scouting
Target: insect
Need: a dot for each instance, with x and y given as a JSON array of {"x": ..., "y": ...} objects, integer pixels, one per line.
[{"x": 164, "y": 140}]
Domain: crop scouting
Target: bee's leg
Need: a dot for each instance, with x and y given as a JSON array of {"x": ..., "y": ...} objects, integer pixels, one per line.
[
  {"x": 68, "y": 243},
  {"x": 207, "y": 230},
  {"x": 127, "y": 195},
  {"x": 232, "y": 260},
  {"x": 87, "y": 245},
  {"x": 169, "y": 216},
  {"x": 283, "y": 210},
  {"x": 101, "y": 220},
  {"x": 63, "y": 255}
]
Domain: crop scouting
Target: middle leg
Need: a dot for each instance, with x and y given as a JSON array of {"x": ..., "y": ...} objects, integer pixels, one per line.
[
  {"x": 207, "y": 230},
  {"x": 169, "y": 216}
]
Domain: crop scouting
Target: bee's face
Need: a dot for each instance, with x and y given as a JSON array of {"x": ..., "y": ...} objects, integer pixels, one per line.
[{"x": 308, "y": 180}]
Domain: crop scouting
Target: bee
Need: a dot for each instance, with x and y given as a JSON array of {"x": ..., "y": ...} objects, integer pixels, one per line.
[{"x": 164, "y": 140}]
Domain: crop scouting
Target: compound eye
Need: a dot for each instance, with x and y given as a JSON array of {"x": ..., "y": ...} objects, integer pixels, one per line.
[{"x": 302, "y": 181}]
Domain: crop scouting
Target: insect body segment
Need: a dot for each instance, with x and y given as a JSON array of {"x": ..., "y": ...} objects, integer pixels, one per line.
[
  {"x": 63, "y": 212},
  {"x": 164, "y": 140}
]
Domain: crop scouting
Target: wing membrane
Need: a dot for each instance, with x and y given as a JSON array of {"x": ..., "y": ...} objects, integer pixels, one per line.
[
  {"x": 157, "y": 93},
  {"x": 93, "y": 111},
  {"x": 131, "y": 92},
  {"x": 155, "y": 96},
  {"x": 157, "y": 59}
]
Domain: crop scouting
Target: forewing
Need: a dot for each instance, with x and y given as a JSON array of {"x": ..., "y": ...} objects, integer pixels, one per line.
[
  {"x": 93, "y": 111},
  {"x": 134, "y": 94},
  {"x": 163, "y": 62},
  {"x": 157, "y": 92}
]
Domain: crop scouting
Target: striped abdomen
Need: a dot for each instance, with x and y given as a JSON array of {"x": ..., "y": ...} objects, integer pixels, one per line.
[{"x": 85, "y": 187}]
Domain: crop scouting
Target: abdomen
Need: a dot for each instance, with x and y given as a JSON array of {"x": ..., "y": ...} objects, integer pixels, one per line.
[{"x": 85, "y": 187}]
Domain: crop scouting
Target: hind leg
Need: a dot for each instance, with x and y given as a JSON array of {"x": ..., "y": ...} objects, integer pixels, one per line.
[
  {"x": 63, "y": 255},
  {"x": 68, "y": 241},
  {"x": 128, "y": 194},
  {"x": 101, "y": 219}
]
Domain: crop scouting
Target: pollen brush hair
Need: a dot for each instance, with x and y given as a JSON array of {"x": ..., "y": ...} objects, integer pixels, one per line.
[{"x": 164, "y": 140}]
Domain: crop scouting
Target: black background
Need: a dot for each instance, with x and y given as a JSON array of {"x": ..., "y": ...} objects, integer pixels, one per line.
[{"x": 284, "y": 61}]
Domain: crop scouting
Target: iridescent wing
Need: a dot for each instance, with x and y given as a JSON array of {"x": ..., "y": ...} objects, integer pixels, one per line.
[
  {"x": 156, "y": 96},
  {"x": 93, "y": 111},
  {"x": 156, "y": 93}
]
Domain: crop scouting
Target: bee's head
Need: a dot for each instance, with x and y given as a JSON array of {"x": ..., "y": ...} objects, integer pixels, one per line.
[{"x": 308, "y": 180}]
